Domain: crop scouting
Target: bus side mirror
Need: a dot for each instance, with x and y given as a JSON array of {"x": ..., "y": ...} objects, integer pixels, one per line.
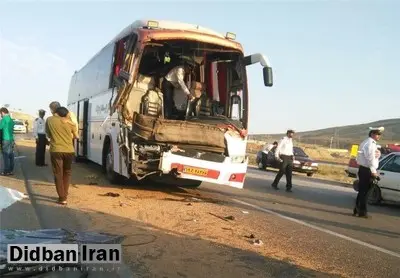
[{"x": 267, "y": 75}]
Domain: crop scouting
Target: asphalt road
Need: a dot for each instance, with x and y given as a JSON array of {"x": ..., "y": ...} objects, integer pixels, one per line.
[
  {"x": 313, "y": 223},
  {"x": 326, "y": 208}
]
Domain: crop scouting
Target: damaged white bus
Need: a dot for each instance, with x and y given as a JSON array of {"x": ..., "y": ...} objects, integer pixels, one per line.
[{"x": 119, "y": 102}]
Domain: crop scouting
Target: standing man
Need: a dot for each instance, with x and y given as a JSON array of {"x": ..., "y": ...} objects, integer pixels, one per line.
[
  {"x": 175, "y": 78},
  {"x": 39, "y": 131},
  {"x": 368, "y": 160},
  {"x": 27, "y": 126},
  {"x": 7, "y": 128},
  {"x": 61, "y": 149},
  {"x": 284, "y": 154}
]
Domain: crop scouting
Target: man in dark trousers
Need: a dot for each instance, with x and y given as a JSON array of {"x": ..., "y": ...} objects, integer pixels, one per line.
[
  {"x": 284, "y": 155},
  {"x": 368, "y": 161},
  {"x": 39, "y": 131}
]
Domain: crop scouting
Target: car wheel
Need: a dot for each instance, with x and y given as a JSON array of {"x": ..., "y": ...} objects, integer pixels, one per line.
[
  {"x": 310, "y": 174},
  {"x": 374, "y": 195}
]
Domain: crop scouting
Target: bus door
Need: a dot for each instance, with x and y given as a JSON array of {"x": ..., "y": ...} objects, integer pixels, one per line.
[{"x": 83, "y": 117}]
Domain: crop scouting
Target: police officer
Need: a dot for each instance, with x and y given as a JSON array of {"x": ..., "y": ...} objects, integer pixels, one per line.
[
  {"x": 368, "y": 160},
  {"x": 39, "y": 131},
  {"x": 284, "y": 155}
]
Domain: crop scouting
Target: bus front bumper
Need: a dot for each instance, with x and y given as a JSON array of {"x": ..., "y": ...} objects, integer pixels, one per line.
[{"x": 225, "y": 173}]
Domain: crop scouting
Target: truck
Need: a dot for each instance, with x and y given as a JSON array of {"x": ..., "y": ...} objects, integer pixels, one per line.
[{"x": 118, "y": 100}]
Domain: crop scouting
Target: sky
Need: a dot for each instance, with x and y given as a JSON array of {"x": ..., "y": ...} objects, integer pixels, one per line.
[{"x": 335, "y": 62}]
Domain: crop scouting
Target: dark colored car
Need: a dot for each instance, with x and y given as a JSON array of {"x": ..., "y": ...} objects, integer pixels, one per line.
[{"x": 303, "y": 163}]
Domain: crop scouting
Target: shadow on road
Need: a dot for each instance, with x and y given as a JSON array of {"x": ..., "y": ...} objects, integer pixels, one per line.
[
  {"x": 322, "y": 196},
  {"x": 153, "y": 252}
]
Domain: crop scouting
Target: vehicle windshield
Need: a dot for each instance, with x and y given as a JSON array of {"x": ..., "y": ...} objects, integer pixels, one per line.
[
  {"x": 299, "y": 152},
  {"x": 221, "y": 101}
]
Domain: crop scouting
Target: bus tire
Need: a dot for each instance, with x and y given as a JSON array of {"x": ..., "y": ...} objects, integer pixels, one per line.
[{"x": 108, "y": 163}]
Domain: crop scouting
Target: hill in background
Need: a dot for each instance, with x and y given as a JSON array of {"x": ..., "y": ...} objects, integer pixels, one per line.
[
  {"x": 340, "y": 137},
  {"x": 19, "y": 115}
]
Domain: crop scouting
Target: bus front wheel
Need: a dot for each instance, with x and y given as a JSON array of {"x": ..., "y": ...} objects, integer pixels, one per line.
[{"x": 109, "y": 165}]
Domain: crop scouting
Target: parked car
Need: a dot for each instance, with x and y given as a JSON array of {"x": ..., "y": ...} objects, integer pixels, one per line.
[
  {"x": 352, "y": 168},
  {"x": 19, "y": 127},
  {"x": 388, "y": 187},
  {"x": 302, "y": 164}
]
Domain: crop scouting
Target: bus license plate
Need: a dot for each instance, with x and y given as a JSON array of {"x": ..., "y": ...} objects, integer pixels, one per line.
[{"x": 195, "y": 171}]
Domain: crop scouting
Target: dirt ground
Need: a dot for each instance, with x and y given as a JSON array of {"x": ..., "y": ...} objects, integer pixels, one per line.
[{"x": 159, "y": 222}]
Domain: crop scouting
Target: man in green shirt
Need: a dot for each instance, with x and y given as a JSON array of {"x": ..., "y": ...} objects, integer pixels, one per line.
[{"x": 7, "y": 131}]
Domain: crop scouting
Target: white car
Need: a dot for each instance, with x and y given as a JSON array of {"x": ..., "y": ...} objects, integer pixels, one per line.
[
  {"x": 388, "y": 187},
  {"x": 19, "y": 127},
  {"x": 352, "y": 166}
]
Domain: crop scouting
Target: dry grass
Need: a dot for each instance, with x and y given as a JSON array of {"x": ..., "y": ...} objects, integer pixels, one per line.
[
  {"x": 314, "y": 151},
  {"x": 325, "y": 172},
  {"x": 333, "y": 173},
  {"x": 23, "y": 117}
]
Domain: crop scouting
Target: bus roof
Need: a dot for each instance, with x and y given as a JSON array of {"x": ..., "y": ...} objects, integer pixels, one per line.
[
  {"x": 166, "y": 25},
  {"x": 162, "y": 25}
]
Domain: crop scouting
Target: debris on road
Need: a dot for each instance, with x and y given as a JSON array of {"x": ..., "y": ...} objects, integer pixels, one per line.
[
  {"x": 226, "y": 218},
  {"x": 257, "y": 242},
  {"x": 189, "y": 204},
  {"x": 192, "y": 199},
  {"x": 251, "y": 236},
  {"x": 9, "y": 196},
  {"x": 245, "y": 212},
  {"x": 110, "y": 194},
  {"x": 220, "y": 217}
]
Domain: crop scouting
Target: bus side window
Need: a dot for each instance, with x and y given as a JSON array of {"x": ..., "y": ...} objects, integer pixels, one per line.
[{"x": 121, "y": 48}]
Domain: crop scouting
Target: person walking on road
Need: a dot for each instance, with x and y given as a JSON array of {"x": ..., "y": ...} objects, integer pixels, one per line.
[
  {"x": 284, "y": 155},
  {"x": 62, "y": 150},
  {"x": 7, "y": 145},
  {"x": 368, "y": 161},
  {"x": 39, "y": 132}
]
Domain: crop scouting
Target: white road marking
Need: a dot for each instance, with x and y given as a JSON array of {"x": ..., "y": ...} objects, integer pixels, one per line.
[
  {"x": 362, "y": 243},
  {"x": 18, "y": 157}
]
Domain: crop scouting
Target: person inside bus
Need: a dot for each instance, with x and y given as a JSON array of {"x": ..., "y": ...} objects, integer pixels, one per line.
[{"x": 175, "y": 79}]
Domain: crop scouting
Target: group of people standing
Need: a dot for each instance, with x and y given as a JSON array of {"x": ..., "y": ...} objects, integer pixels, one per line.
[
  {"x": 58, "y": 132},
  {"x": 367, "y": 159}
]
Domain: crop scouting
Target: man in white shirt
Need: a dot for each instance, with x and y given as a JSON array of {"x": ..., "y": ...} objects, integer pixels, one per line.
[
  {"x": 284, "y": 154},
  {"x": 39, "y": 133},
  {"x": 368, "y": 161},
  {"x": 175, "y": 78}
]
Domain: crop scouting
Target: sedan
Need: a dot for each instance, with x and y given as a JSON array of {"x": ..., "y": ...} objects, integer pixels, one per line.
[
  {"x": 19, "y": 127},
  {"x": 302, "y": 163},
  {"x": 388, "y": 186}
]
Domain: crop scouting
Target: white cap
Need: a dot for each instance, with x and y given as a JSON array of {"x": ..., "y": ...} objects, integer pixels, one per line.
[{"x": 380, "y": 129}]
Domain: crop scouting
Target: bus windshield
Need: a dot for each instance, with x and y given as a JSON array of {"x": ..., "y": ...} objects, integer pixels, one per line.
[{"x": 215, "y": 77}]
